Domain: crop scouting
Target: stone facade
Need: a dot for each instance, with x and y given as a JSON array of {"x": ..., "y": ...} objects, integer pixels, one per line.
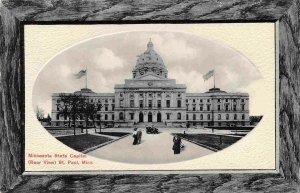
[{"x": 150, "y": 97}]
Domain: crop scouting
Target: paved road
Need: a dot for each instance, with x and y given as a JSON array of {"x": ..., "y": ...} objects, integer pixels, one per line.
[{"x": 153, "y": 149}]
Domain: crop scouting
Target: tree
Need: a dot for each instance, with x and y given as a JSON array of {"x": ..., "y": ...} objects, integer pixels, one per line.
[
  {"x": 89, "y": 110},
  {"x": 71, "y": 106},
  {"x": 39, "y": 113}
]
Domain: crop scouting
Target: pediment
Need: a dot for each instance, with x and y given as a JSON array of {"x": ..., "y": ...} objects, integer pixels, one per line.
[{"x": 150, "y": 76}]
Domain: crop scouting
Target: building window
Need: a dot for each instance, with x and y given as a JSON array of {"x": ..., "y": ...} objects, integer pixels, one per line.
[
  {"x": 131, "y": 103},
  {"x": 121, "y": 103},
  {"x": 131, "y": 116},
  {"x": 227, "y": 116},
  {"x": 113, "y": 117},
  {"x": 150, "y": 103},
  {"x": 234, "y": 107},
  {"x": 208, "y": 117},
  {"x": 141, "y": 94},
  {"x": 219, "y": 100},
  {"x": 113, "y": 100},
  {"x": 57, "y": 107},
  {"x": 194, "y": 116},
  {"x": 201, "y": 107},
  {"x": 219, "y": 116},
  {"x": 121, "y": 116},
  {"x": 201, "y": 100},
  {"x": 243, "y": 116},
  {"x": 201, "y": 117},
  {"x": 168, "y": 116},
  {"x": 150, "y": 95},
  {"x": 243, "y": 107},
  {"x": 179, "y": 103},
  {"x": 121, "y": 94},
  {"x": 105, "y": 117},
  {"x": 219, "y": 107},
  {"x": 220, "y": 124},
  {"x": 106, "y": 101},
  {"x": 226, "y": 100},
  {"x": 208, "y": 107},
  {"x": 187, "y": 107},
  {"x": 168, "y": 103},
  {"x": 112, "y": 107},
  {"x": 208, "y": 100},
  {"x": 243, "y": 100},
  {"x": 179, "y": 95},
  {"x": 106, "y": 107},
  {"x": 235, "y": 116},
  {"x": 98, "y": 116},
  {"x": 227, "y": 107},
  {"x": 234, "y": 100},
  {"x": 187, "y": 117},
  {"x": 159, "y": 103},
  {"x": 179, "y": 116},
  {"x": 57, "y": 117},
  {"x": 194, "y": 100},
  {"x": 194, "y": 108},
  {"x": 186, "y": 100},
  {"x": 141, "y": 104}
]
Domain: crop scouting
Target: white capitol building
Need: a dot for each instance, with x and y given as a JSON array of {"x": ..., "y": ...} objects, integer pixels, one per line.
[{"x": 150, "y": 97}]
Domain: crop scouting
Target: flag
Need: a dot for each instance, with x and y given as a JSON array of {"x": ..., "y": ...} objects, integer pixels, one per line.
[
  {"x": 80, "y": 74},
  {"x": 208, "y": 75}
]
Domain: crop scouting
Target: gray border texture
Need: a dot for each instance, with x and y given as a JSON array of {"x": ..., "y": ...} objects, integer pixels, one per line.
[{"x": 15, "y": 13}]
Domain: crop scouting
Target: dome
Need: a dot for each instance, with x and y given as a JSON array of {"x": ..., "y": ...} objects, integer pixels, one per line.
[{"x": 150, "y": 62}]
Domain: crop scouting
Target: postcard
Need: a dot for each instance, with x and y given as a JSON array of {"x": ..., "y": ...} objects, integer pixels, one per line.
[{"x": 150, "y": 98}]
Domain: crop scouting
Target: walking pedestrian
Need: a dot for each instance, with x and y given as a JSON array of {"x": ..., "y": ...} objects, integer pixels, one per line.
[
  {"x": 176, "y": 144},
  {"x": 139, "y": 136},
  {"x": 135, "y": 137}
]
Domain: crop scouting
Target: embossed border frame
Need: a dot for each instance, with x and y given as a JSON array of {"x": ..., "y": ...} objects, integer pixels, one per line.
[{"x": 14, "y": 14}]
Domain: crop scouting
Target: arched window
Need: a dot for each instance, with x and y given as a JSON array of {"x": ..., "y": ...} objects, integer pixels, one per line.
[
  {"x": 201, "y": 117},
  {"x": 219, "y": 116},
  {"x": 178, "y": 116},
  {"x": 243, "y": 116},
  {"x": 121, "y": 116},
  {"x": 235, "y": 116},
  {"x": 194, "y": 116}
]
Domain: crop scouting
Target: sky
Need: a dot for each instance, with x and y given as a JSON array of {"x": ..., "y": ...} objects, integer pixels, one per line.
[{"x": 111, "y": 59}]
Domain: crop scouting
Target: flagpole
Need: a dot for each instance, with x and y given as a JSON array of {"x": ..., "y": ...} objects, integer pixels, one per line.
[
  {"x": 86, "y": 74},
  {"x": 214, "y": 78}
]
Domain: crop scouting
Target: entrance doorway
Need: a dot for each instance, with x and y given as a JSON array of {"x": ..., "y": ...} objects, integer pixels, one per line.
[
  {"x": 158, "y": 117},
  {"x": 149, "y": 117},
  {"x": 141, "y": 117}
]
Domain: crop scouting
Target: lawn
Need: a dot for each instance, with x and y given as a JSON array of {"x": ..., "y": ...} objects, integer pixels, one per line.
[
  {"x": 82, "y": 142},
  {"x": 116, "y": 134},
  {"x": 211, "y": 140}
]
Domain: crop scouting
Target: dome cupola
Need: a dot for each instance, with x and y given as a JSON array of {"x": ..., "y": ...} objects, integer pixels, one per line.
[{"x": 150, "y": 62}]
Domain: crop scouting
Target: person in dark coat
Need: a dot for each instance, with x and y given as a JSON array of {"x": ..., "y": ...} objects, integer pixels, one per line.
[
  {"x": 139, "y": 136},
  {"x": 135, "y": 137},
  {"x": 176, "y": 144}
]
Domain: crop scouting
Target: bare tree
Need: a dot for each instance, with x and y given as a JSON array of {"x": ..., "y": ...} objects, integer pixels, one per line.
[
  {"x": 71, "y": 106},
  {"x": 39, "y": 113}
]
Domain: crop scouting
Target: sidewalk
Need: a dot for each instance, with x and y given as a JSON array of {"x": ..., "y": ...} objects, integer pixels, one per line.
[{"x": 154, "y": 149}]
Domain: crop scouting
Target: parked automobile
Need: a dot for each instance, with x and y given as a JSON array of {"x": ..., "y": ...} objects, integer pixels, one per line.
[{"x": 151, "y": 130}]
